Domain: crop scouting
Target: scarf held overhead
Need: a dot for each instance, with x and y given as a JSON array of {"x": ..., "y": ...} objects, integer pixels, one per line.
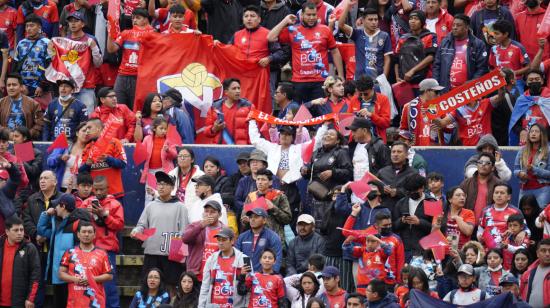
[{"x": 264, "y": 117}]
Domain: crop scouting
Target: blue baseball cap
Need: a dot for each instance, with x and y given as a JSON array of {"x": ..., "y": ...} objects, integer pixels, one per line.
[
  {"x": 508, "y": 279},
  {"x": 76, "y": 15},
  {"x": 67, "y": 200},
  {"x": 330, "y": 272},
  {"x": 258, "y": 211}
]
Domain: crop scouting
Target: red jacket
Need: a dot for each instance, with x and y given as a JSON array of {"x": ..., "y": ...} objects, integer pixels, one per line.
[
  {"x": 381, "y": 117},
  {"x": 252, "y": 43},
  {"x": 526, "y": 25},
  {"x": 122, "y": 113},
  {"x": 526, "y": 281},
  {"x": 444, "y": 25},
  {"x": 240, "y": 124},
  {"x": 167, "y": 157},
  {"x": 106, "y": 232}
]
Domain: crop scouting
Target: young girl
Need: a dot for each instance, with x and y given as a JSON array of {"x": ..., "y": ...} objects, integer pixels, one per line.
[
  {"x": 489, "y": 276},
  {"x": 267, "y": 288},
  {"x": 160, "y": 153}
]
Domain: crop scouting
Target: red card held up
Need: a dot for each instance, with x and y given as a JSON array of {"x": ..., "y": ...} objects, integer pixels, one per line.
[
  {"x": 178, "y": 250},
  {"x": 302, "y": 114},
  {"x": 488, "y": 239},
  {"x": 258, "y": 203},
  {"x": 173, "y": 136},
  {"x": 147, "y": 233},
  {"x": 24, "y": 151},
  {"x": 434, "y": 239},
  {"x": 433, "y": 208},
  {"x": 59, "y": 143},
  {"x": 345, "y": 121},
  {"x": 307, "y": 151},
  {"x": 360, "y": 189},
  {"x": 140, "y": 153},
  {"x": 151, "y": 181}
]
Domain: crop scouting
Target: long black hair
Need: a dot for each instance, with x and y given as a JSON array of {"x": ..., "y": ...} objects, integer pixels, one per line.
[
  {"x": 145, "y": 288},
  {"x": 189, "y": 300},
  {"x": 514, "y": 270},
  {"x": 447, "y": 208},
  {"x": 146, "y": 109},
  {"x": 298, "y": 285}
]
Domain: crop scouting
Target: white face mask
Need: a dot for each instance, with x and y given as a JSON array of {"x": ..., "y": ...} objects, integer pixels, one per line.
[{"x": 66, "y": 97}]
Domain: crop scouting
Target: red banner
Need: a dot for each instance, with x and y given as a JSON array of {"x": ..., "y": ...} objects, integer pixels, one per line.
[
  {"x": 197, "y": 71},
  {"x": 113, "y": 16},
  {"x": 264, "y": 117},
  {"x": 72, "y": 60},
  {"x": 465, "y": 94}
]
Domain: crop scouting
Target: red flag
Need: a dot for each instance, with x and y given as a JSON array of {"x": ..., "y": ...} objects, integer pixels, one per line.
[
  {"x": 370, "y": 177},
  {"x": 347, "y": 51},
  {"x": 307, "y": 151},
  {"x": 258, "y": 203},
  {"x": 197, "y": 71},
  {"x": 147, "y": 233},
  {"x": 140, "y": 153},
  {"x": 113, "y": 16},
  {"x": 439, "y": 252},
  {"x": 345, "y": 120},
  {"x": 302, "y": 114},
  {"x": 72, "y": 60},
  {"x": 59, "y": 143},
  {"x": 434, "y": 239},
  {"x": 24, "y": 151},
  {"x": 433, "y": 208},
  {"x": 359, "y": 234},
  {"x": 488, "y": 239},
  {"x": 360, "y": 189},
  {"x": 173, "y": 136},
  {"x": 151, "y": 181},
  {"x": 543, "y": 30}
]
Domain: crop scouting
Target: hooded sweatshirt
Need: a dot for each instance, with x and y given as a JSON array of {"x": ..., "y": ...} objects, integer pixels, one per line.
[{"x": 501, "y": 169}]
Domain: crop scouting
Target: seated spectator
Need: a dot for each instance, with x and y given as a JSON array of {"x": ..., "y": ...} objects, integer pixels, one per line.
[
  {"x": 367, "y": 151},
  {"x": 488, "y": 144},
  {"x": 415, "y": 159},
  {"x": 152, "y": 291},
  {"x": 109, "y": 112},
  {"x": 378, "y": 295},
  {"x": 64, "y": 113},
  {"x": 361, "y": 215},
  {"x": 467, "y": 292},
  {"x": 222, "y": 183},
  {"x": 456, "y": 222},
  {"x": 300, "y": 288},
  {"x": 307, "y": 242},
  {"x": 333, "y": 295},
  {"x": 534, "y": 286},
  {"x": 488, "y": 276},
  {"x": 530, "y": 209},
  {"x": 356, "y": 300},
  {"x": 473, "y": 253},
  {"x": 520, "y": 262},
  {"x": 436, "y": 183},
  {"x": 204, "y": 190},
  {"x": 510, "y": 283},
  {"x": 511, "y": 239},
  {"x": 17, "y": 109},
  {"x": 185, "y": 189},
  {"x": 187, "y": 295},
  {"x": 484, "y": 19},
  {"x": 33, "y": 168},
  {"x": 152, "y": 108}
]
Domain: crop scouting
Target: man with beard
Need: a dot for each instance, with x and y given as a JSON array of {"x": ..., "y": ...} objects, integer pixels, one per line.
[{"x": 307, "y": 242}]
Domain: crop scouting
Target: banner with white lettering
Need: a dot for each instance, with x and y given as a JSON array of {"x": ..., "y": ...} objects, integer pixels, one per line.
[
  {"x": 261, "y": 116},
  {"x": 469, "y": 92}
]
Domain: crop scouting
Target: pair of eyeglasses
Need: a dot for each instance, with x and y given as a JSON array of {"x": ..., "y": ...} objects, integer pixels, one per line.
[{"x": 484, "y": 163}]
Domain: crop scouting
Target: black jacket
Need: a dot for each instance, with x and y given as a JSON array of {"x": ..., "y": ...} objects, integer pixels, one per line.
[
  {"x": 224, "y": 18},
  {"x": 379, "y": 154},
  {"x": 26, "y": 273},
  {"x": 32, "y": 209},
  {"x": 389, "y": 176},
  {"x": 333, "y": 237},
  {"x": 335, "y": 159},
  {"x": 300, "y": 249},
  {"x": 7, "y": 193},
  {"x": 411, "y": 234},
  {"x": 270, "y": 18}
]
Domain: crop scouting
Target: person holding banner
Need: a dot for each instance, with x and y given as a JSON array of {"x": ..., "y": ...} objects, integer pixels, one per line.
[{"x": 117, "y": 118}]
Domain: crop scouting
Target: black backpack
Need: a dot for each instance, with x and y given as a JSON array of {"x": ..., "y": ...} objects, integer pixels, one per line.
[{"x": 410, "y": 54}]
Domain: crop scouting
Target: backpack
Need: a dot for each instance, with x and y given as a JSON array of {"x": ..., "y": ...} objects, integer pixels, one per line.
[
  {"x": 453, "y": 292},
  {"x": 410, "y": 54}
]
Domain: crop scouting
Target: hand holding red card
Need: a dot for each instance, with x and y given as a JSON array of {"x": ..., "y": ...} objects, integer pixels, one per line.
[
  {"x": 147, "y": 233},
  {"x": 24, "y": 151},
  {"x": 433, "y": 208},
  {"x": 178, "y": 250},
  {"x": 59, "y": 143},
  {"x": 302, "y": 114},
  {"x": 434, "y": 239},
  {"x": 360, "y": 189},
  {"x": 258, "y": 203},
  {"x": 151, "y": 181}
]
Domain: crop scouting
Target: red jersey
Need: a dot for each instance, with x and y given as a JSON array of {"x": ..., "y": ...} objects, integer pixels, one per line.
[
  {"x": 8, "y": 24},
  {"x": 7, "y": 273},
  {"x": 47, "y": 12},
  {"x": 163, "y": 19},
  {"x": 265, "y": 290},
  {"x": 210, "y": 246},
  {"x": 459, "y": 68},
  {"x": 534, "y": 115},
  {"x": 129, "y": 41},
  {"x": 495, "y": 220},
  {"x": 252, "y": 43},
  {"x": 310, "y": 48},
  {"x": 372, "y": 265},
  {"x": 337, "y": 300},
  {"x": 106, "y": 232},
  {"x": 473, "y": 122},
  {"x": 222, "y": 288},
  {"x": 86, "y": 264},
  {"x": 513, "y": 57},
  {"x": 130, "y": 6},
  {"x": 396, "y": 260},
  {"x": 452, "y": 227}
]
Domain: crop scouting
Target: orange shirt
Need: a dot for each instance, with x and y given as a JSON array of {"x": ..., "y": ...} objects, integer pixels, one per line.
[
  {"x": 156, "y": 160},
  {"x": 7, "y": 273}
]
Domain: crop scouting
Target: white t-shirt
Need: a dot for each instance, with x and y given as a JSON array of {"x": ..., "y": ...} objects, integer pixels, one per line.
[
  {"x": 360, "y": 161},
  {"x": 465, "y": 298},
  {"x": 430, "y": 24}
]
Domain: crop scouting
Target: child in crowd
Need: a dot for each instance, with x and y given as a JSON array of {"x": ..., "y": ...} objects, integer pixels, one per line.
[
  {"x": 516, "y": 224},
  {"x": 402, "y": 288},
  {"x": 429, "y": 265},
  {"x": 435, "y": 186}
]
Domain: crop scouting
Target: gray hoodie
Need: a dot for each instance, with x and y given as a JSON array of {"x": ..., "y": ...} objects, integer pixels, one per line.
[{"x": 501, "y": 169}]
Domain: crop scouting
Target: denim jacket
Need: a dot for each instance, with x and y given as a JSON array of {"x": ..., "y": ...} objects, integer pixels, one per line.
[{"x": 541, "y": 168}]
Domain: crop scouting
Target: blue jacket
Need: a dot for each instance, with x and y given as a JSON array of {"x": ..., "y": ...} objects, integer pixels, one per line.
[
  {"x": 179, "y": 117},
  {"x": 267, "y": 239},
  {"x": 57, "y": 165},
  {"x": 245, "y": 186},
  {"x": 62, "y": 237},
  {"x": 54, "y": 119},
  {"x": 389, "y": 301},
  {"x": 541, "y": 168},
  {"x": 477, "y": 59}
]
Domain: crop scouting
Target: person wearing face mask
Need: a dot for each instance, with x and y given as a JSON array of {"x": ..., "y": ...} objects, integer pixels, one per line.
[
  {"x": 525, "y": 22},
  {"x": 64, "y": 113},
  {"x": 409, "y": 220},
  {"x": 467, "y": 293}
]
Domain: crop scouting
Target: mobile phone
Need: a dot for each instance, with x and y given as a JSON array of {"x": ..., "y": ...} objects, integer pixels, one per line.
[
  {"x": 246, "y": 261},
  {"x": 95, "y": 203},
  {"x": 220, "y": 117},
  {"x": 406, "y": 214}
]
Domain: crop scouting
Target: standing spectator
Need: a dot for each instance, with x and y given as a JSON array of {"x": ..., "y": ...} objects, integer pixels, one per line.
[
  {"x": 394, "y": 176},
  {"x": 224, "y": 18},
  {"x": 10, "y": 179},
  {"x": 20, "y": 270},
  {"x": 500, "y": 119},
  {"x": 177, "y": 115},
  {"x": 57, "y": 225},
  {"x": 7, "y": 157},
  {"x": 361, "y": 215},
  {"x": 8, "y": 22},
  {"x": 31, "y": 54},
  {"x": 252, "y": 242},
  {"x": 335, "y": 100},
  {"x": 64, "y": 113},
  {"x": 200, "y": 236},
  {"x": 82, "y": 264},
  {"x": 379, "y": 297},
  {"x": 108, "y": 221},
  {"x": 84, "y": 9},
  {"x": 334, "y": 296},
  {"x": 534, "y": 286},
  {"x": 372, "y": 46},
  {"x": 530, "y": 209},
  {"x": 409, "y": 220},
  {"x": 479, "y": 188},
  {"x": 309, "y": 51},
  {"x": 414, "y": 116},
  {"x": 17, "y": 109},
  {"x": 284, "y": 97},
  {"x": 525, "y": 22},
  {"x": 222, "y": 184},
  {"x": 397, "y": 257},
  {"x": 488, "y": 276},
  {"x": 109, "y": 112},
  {"x": 532, "y": 164},
  {"x": 49, "y": 17},
  {"x": 488, "y": 144},
  {"x": 307, "y": 242},
  {"x": 324, "y": 11},
  {"x": 165, "y": 16},
  {"x": 204, "y": 190},
  {"x": 355, "y": 300},
  {"x": 456, "y": 222},
  {"x": 273, "y": 12},
  {"x": 152, "y": 291},
  {"x": 467, "y": 292},
  {"x": 180, "y": 20},
  {"x": 169, "y": 217},
  {"x": 243, "y": 170},
  {"x": 152, "y": 108},
  {"x": 460, "y": 57},
  {"x": 220, "y": 273},
  {"x": 86, "y": 94},
  {"x": 415, "y": 160},
  {"x": 438, "y": 20},
  {"x": 185, "y": 189},
  {"x": 483, "y": 21},
  {"x": 367, "y": 152},
  {"x": 372, "y": 105},
  {"x": 520, "y": 262},
  {"x": 84, "y": 186},
  {"x": 129, "y": 42},
  {"x": 226, "y": 120}
]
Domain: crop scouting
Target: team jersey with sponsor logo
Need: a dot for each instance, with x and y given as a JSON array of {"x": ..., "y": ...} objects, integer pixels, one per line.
[
  {"x": 370, "y": 52},
  {"x": 222, "y": 288},
  {"x": 210, "y": 246},
  {"x": 129, "y": 41},
  {"x": 265, "y": 289},
  {"x": 473, "y": 122},
  {"x": 8, "y": 24},
  {"x": 163, "y": 19},
  {"x": 513, "y": 57}
]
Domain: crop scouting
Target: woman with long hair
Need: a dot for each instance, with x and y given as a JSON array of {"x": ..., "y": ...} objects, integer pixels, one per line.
[
  {"x": 457, "y": 223},
  {"x": 520, "y": 262},
  {"x": 33, "y": 168},
  {"x": 531, "y": 210},
  {"x": 418, "y": 280},
  {"x": 152, "y": 108},
  {"x": 532, "y": 165},
  {"x": 187, "y": 292},
  {"x": 489, "y": 276},
  {"x": 152, "y": 292},
  {"x": 300, "y": 291},
  {"x": 213, "y": 167},
  {"x": 185, "y": 170}
]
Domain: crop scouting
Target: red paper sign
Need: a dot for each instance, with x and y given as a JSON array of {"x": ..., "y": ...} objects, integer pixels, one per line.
[
  {"x": 173, "y": 136},
  {"x": 24, "y": 151},
  {"x": 264, "y": 117},
  {"x": 258, "y": 203},
  {"x": 433, "y": 208},
  {"x": 439, "y": 252},
  {"x": 307, "y": 151},
  {"x": 359, "y": 235},
  {"x": 302, "y": 114},
  {"x": 360, "y": 189},
  {"x": 434, "y": 239},
  {"x": 465, "y": 94},
  {"x": 543, "y": 30},
  {"x": 140, "y": 153},
  {"x": 151, "y": 181},
  {"x": 113, "y": 16},
  {"x": 345, "y": 120},
  {"x": 59, "y": 143},
  {"x": 147, "y": 233},
  {"x": 178, "y": 250},
  {"x": 370, "y": 177}
]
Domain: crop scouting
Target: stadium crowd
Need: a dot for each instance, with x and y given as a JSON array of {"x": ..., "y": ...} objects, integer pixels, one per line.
[{"x": 373, "y": 228}]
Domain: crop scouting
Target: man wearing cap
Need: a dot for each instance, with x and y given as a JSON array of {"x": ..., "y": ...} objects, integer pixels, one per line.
[
  {"x": 415, "y": 119},
  {"x": 252, "y": 242},
  {"x": 415, "y": 160},
  {"x": 177, "y": 115},
  {"x": 367, "y": 152},
  {"x": 204, "y": 190},
  {"x": 219, "y": 287},
  {"x": 243, "y": 169},
  {"x": 509, "y": 283},
  {"x": 118, "y": 119},
  {"x": 64, "y": 113},
  {"x": 467, "y": 292},
  {"x": 409, "y": 67},
  {"x": 200, "y": 236},
  {"x": 86, "y": 93},
  {"x": 307, "y": 242},
  {"x": 169, "y": 217},
  {"x": 334, "y": 296},
  {"x": 58, "y": 225},
  {"x": 81, "y": 7},
  {"x": 108, "y": 219}
]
